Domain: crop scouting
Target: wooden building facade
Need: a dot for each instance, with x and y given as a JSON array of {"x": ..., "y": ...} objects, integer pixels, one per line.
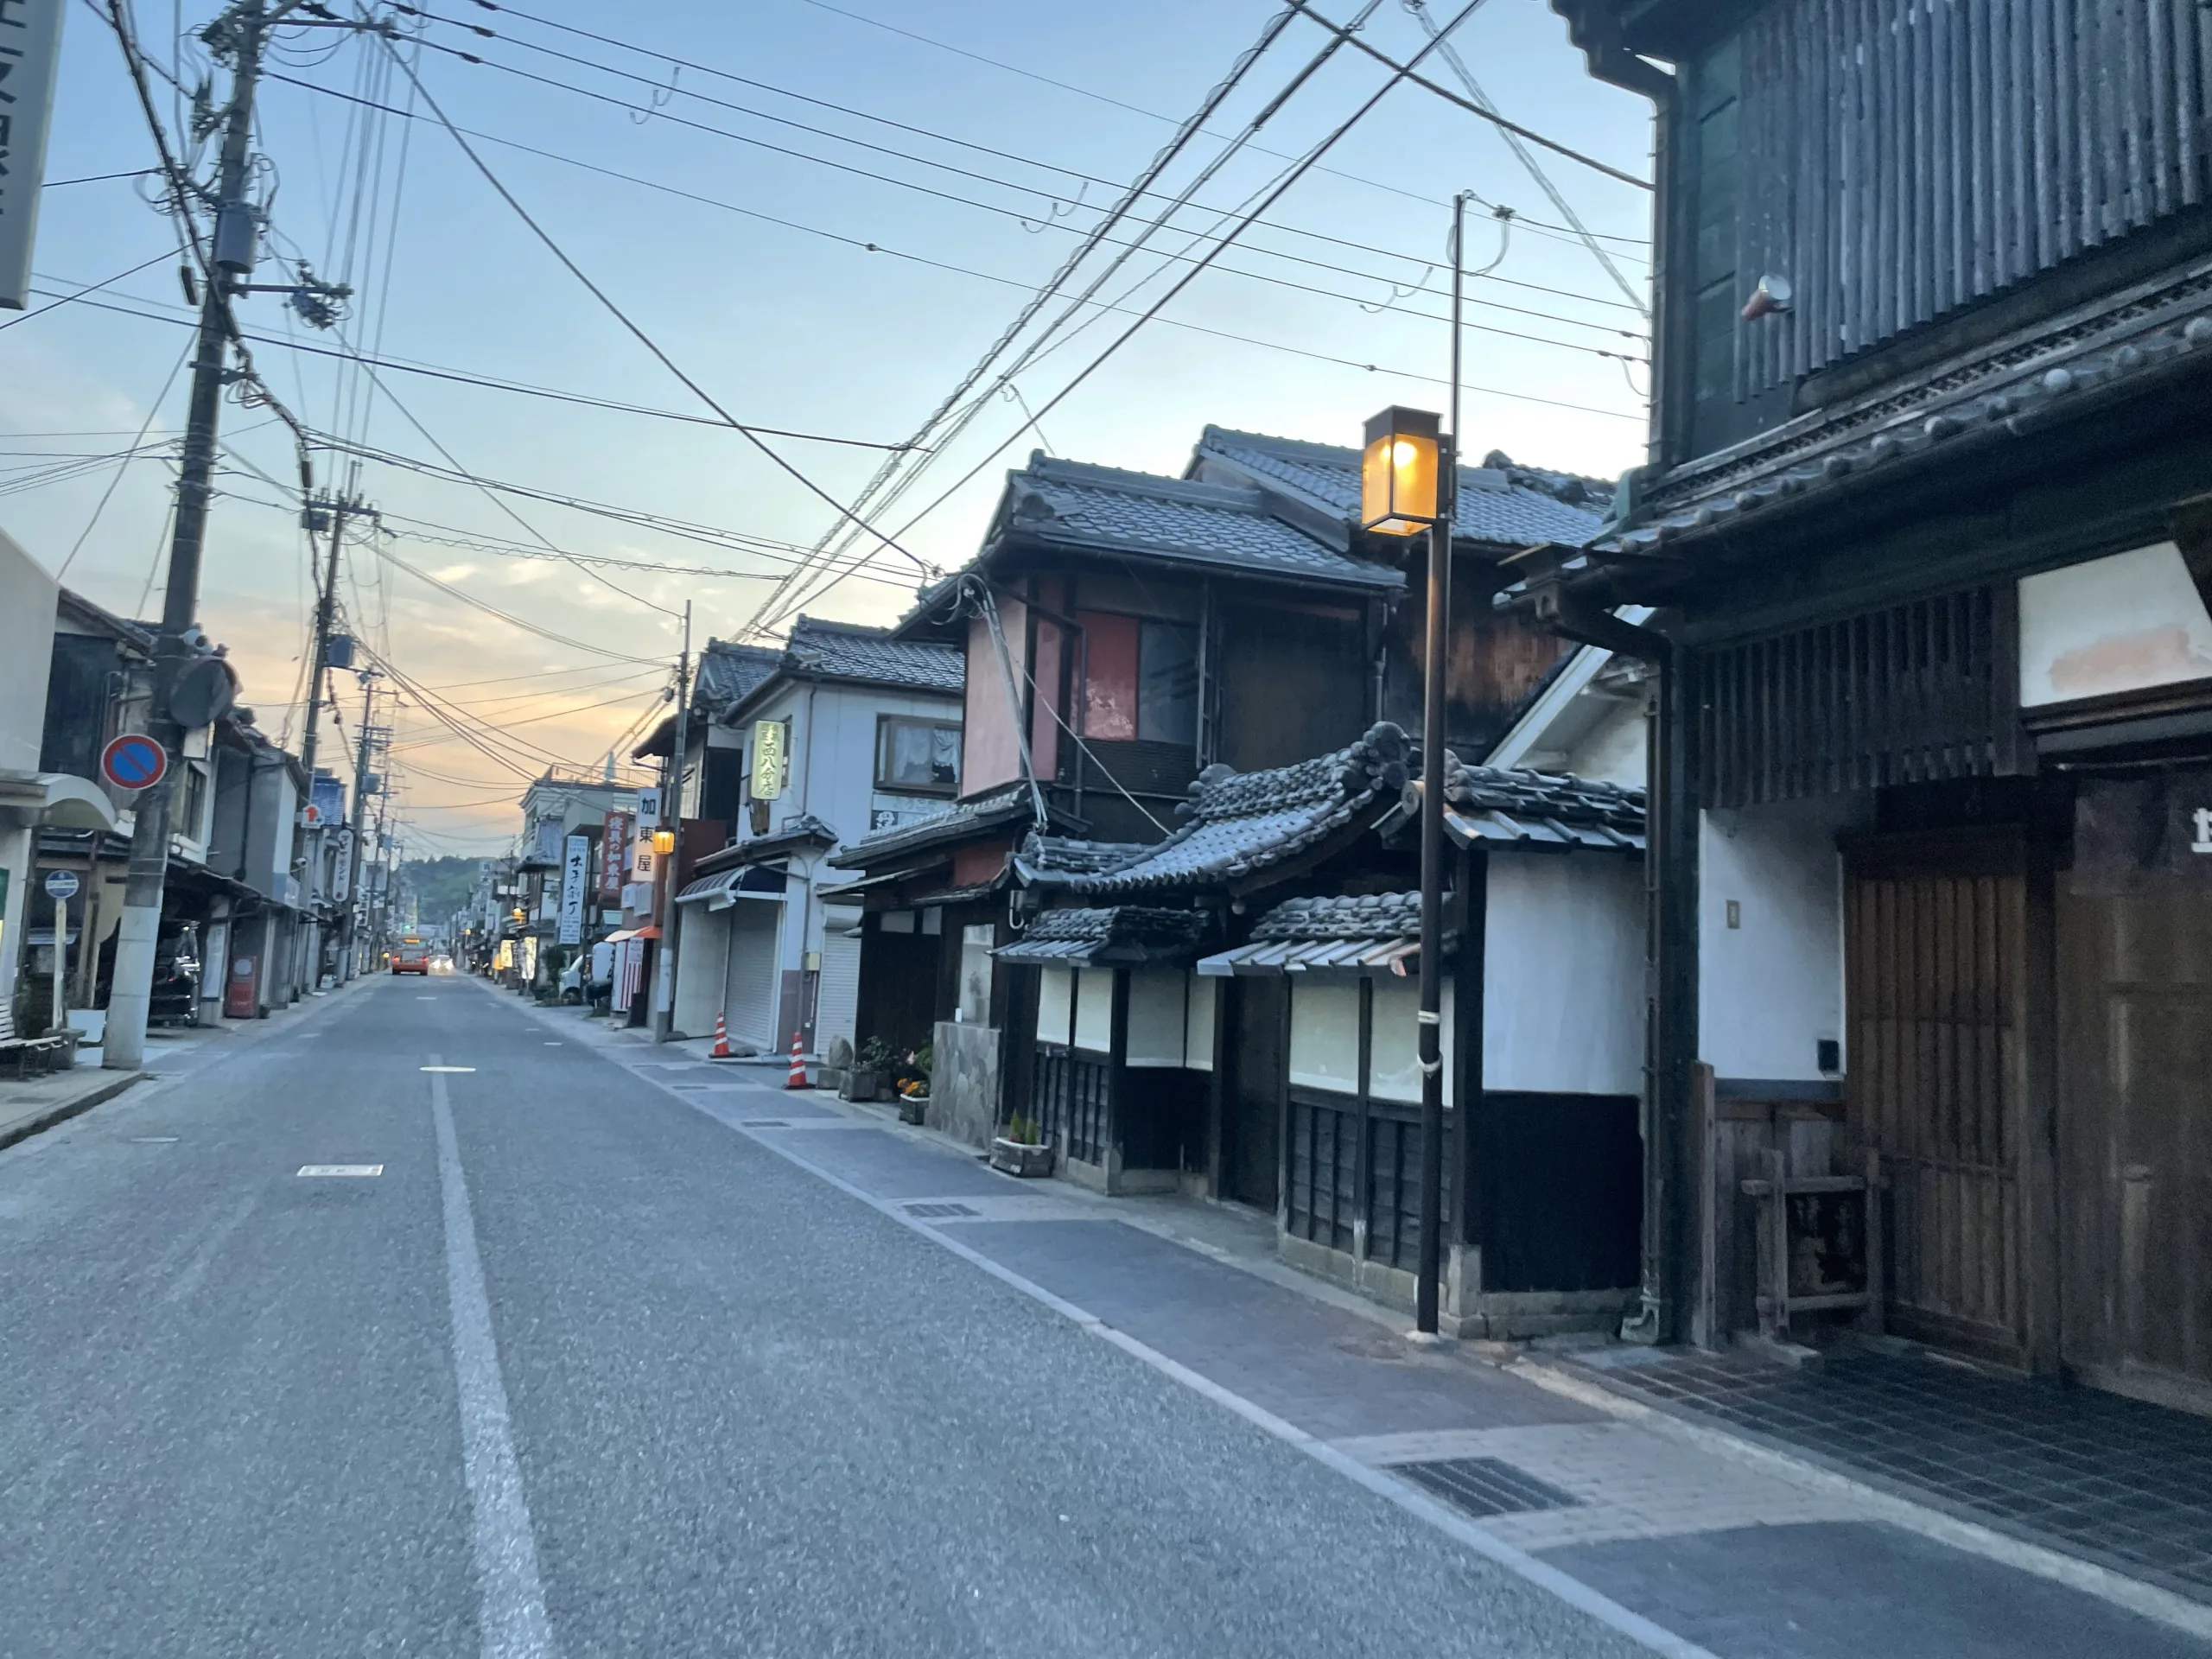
[{"x": 1923, "y": 527}]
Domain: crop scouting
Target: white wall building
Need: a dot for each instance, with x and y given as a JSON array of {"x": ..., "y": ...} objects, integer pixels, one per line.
[{"x": 852, "y": 732}]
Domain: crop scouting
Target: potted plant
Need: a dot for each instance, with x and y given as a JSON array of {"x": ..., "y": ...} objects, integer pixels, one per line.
[
  {"x": 1022, "y": 1150},
  {"x": 913, "y": 1085},
  {"x": 864, "y": 1079}
]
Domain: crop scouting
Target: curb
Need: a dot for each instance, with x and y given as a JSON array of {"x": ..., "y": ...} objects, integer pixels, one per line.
[{"x": 62, "y": 1111}]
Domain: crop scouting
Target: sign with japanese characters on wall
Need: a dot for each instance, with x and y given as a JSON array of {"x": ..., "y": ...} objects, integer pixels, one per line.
[{"x": 575, "y": 873}]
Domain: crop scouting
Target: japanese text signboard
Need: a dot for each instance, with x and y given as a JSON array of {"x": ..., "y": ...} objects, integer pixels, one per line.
[
  {"x": 613, "y": 854},
  {"x": 576, "y": 871}
]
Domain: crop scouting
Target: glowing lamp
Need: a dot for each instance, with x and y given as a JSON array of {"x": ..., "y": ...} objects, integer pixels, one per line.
[
  {"x": 664, "y": 842},
  {"x": 1400, "y": 473}
]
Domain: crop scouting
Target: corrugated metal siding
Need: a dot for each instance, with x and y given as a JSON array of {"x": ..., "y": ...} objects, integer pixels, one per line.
[{"x": 1903, "y": 158}]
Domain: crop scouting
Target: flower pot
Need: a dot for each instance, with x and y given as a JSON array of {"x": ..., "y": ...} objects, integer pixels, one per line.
[
  {"x": 912, "y": 1109},
  {"x": 861, "y": 1084},
  {"x": 1022, "y": 1157}
]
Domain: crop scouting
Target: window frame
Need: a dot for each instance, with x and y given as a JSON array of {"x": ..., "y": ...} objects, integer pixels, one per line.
[{"x": 885, "y": 725}]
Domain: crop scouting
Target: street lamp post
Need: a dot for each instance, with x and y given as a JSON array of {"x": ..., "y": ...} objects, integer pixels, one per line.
[{"x": 1409, "y": 474}]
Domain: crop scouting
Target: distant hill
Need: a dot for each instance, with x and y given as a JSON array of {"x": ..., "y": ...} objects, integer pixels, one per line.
[{"x": 441, "y": 886}]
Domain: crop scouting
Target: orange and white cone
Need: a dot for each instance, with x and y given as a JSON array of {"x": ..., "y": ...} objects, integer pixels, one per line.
[
  {"x": 720, "y": 1050},
  {"x": 798, "y": 1078}
]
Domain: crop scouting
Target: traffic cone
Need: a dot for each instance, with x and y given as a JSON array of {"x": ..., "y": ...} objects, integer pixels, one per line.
[
  {"x": 720, "y": 1050},
  {"x": 798, "y": 1078}
]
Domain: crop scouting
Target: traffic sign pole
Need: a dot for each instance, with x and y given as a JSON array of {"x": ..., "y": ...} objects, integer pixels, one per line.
[{"x": 61, "y": 887}]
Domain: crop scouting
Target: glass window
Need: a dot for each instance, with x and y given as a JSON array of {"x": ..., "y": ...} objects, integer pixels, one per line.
[
  {"x": 920, "y": 755},
  {"x": 1325, "y": 1034},
  {"x": 1167, "y": 684}
]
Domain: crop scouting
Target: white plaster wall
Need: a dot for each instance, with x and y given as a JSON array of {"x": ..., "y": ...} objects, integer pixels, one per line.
[
  {"x": 1094, "y": 1010},
  {"x": 1563, "y": 986},
  {"x": 1198, "y": 1018},
  {"x": 2123, "y": 623},
  {"x": 1324, "y": 1032},
  {"x": 1157, "y": 1015},
  {"x": 1612, "y": 751},
  {"x": 1772, "y": 986}
]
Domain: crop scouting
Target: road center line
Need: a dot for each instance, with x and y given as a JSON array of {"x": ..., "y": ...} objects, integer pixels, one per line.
[{"x": 509, "y": 1600}]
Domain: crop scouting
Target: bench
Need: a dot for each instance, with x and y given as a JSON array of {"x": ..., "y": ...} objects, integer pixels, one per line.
[{"x": 46, "y": 1053}]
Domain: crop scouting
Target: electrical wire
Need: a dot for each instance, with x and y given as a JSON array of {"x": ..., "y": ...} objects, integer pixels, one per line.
[
  {"x": 153, "y": 413},
  {"x": 644, "y": 339},
  {"x": 92, "y": 288},
  {"x": 966, "y": 201},
  {"x": 1366, "y": 179}
]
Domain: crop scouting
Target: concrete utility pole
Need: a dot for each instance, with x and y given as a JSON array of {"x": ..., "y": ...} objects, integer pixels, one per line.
[
  {"x": 671, "y": 811},
  {"x": 338, "y": 509},
  {"x": 130, "y": 994},
  {"x": 355, "y": 900}
]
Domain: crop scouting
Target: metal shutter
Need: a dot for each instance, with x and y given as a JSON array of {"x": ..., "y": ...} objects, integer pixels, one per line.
[
  {"x": 837, "y": 997},
  {"x": 749, "y": 997}
]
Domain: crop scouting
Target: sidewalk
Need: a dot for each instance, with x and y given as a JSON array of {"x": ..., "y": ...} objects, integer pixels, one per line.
[
  {"x": 30, "y": 1105},
  {"x": 39, "y": 1102},
  {"x": 1736, "y": 1549}
]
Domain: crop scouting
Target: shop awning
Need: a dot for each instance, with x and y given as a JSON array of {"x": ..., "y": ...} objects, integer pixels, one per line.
[
  {"x": 648, "y": 932},
  {"x": 719, "y": 891}
]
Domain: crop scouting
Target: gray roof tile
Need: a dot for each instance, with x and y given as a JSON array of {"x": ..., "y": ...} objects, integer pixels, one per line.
[
  {"x": 1001, "y": 809},
  {"x": 846, "y": 652},
  {"x": 728, "y": 672},
  {"x": 1499, "y": 501},
  {"x": 1372, "y": 918},
  {"x": 1243, "y": 822},
  {"x": 1072, "y": 503}
]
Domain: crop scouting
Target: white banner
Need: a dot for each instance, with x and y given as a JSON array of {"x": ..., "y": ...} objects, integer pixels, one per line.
[
  {"x": 30, "y": 48},
  {"x": 576, "y": 874}
]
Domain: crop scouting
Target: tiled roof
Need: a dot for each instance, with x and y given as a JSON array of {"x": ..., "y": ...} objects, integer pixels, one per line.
[
  {"x": 1956, "y": 413},
  {"x": 1244, "y": 822},
  {"x": 1045, "y": 856},
  {"x": 1372, "y": 917},
  {"x": 1074, "y": 505},
  {"x": 728, "y": 672},
  {"x": 1497, "y": 805},
  {"x": 845, "y": 652},
  {"x": 1499, "y": 501},
  {"x": 1363, "y": 933},
  {"x": 1117, "y": 933},
  {"x": 804, "y": 830},
  {"x": 1001, "y": 809}
]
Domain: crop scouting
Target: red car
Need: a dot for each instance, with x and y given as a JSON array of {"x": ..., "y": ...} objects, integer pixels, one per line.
[{"x": 411, "y": 956}]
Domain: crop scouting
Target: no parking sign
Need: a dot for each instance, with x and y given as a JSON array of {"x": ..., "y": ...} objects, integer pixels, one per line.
[{"x": 134, "y": 761}]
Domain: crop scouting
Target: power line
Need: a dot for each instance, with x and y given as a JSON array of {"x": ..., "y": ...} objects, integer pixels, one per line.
[
  {"x": 1135, "y": 109},
  {"x": 970, "y": 201},
  {"x": 644, "y": 339},
  {"x": 1290, "y": 177},
  {"x": 92, "y": 288},
  {"x": 518, "y": 387},
  {"x": 841, "y": 109}
]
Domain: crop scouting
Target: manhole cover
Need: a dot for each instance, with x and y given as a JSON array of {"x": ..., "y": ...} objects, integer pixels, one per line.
[
  {"x": 940, "y": 1211},
  {"x": 765, "y": 1123},
  {"x": 1485, "y": 1486}
]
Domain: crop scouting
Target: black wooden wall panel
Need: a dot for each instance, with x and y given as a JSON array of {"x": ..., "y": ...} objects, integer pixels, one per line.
[{"x": 1902, "y": 158}]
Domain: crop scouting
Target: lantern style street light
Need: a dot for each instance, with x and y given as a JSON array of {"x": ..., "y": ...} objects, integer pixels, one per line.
[
  {"x": 664, "y": 842},
  {"x": 1400, "y": 473},
  {"x": 1408, "y": 473}
]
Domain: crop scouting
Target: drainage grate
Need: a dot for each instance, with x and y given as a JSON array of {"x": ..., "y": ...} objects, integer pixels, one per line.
[
  {"x": 765, "y": 1123},
  {"x": 940, "y": 1211},
  {"x": 1485, "y": 1486}
]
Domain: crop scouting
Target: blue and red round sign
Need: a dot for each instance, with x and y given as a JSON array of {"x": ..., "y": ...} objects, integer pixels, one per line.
[{"x": 133, "y": 761}]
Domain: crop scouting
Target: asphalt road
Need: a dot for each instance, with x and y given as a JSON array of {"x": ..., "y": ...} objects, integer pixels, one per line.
[{"x": 584, "y": 1371}]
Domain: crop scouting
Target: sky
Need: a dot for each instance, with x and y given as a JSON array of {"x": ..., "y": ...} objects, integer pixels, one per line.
[{"x": 823, "y": 219}]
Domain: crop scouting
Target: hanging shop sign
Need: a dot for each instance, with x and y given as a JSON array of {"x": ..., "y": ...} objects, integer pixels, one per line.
[
  {"x": 576, "y": 872},
  {"x": 769, "y": 760}
]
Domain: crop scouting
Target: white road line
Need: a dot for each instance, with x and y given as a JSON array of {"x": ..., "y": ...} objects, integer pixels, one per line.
[
  {"x": 1598, "y": 1606},
  {"x": 445, "y": 1068},
  {"x": 510, "y": 1601}
]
